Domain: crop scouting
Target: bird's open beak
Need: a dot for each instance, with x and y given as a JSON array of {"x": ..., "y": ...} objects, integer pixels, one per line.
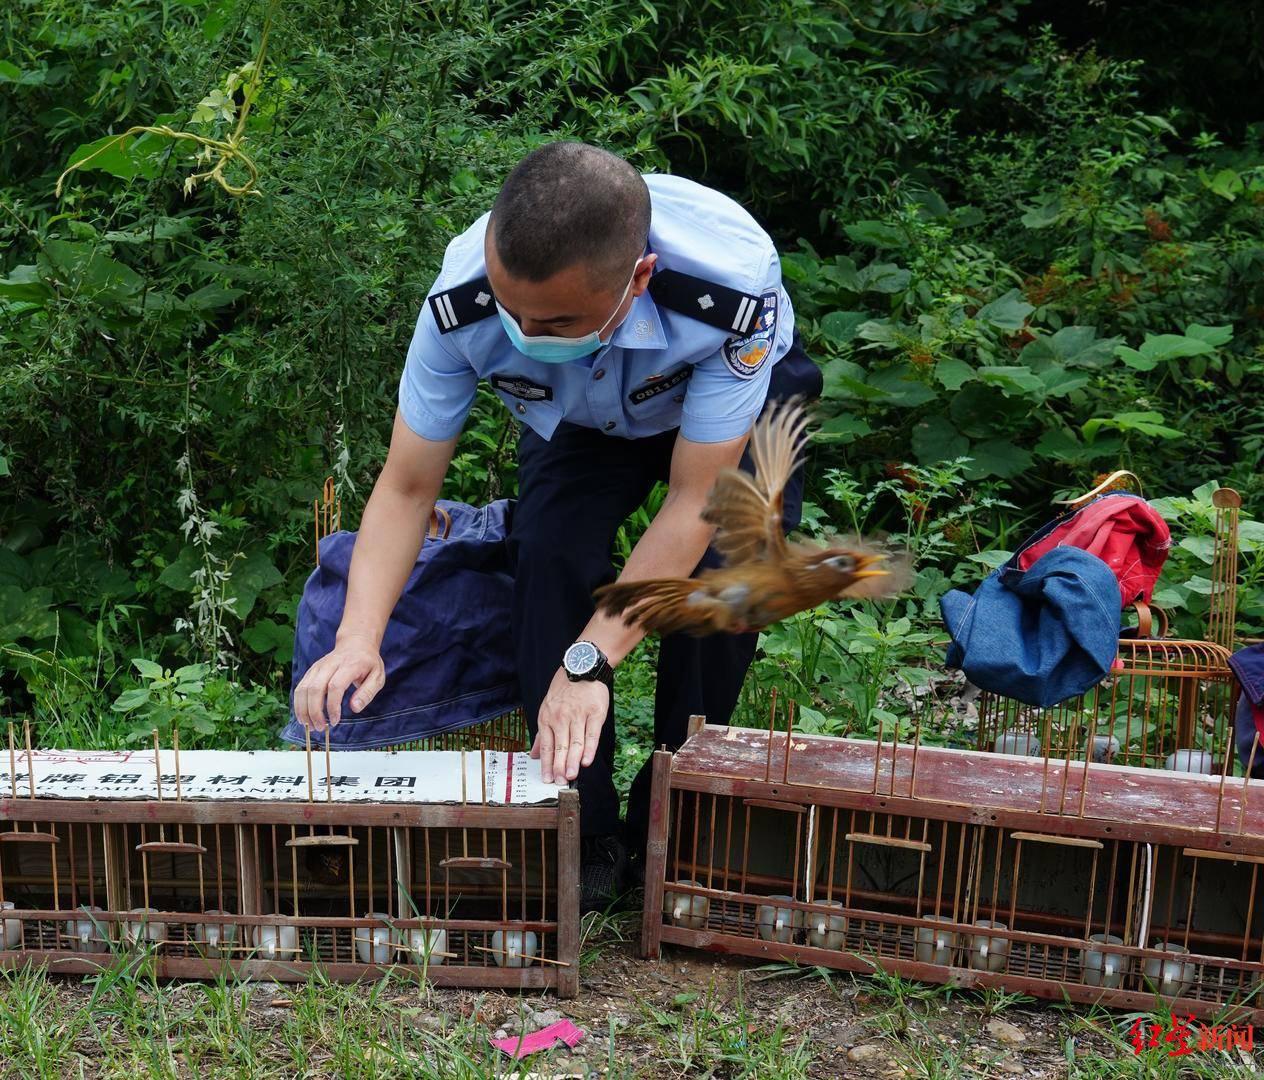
[{"x": 864, "y": 562}]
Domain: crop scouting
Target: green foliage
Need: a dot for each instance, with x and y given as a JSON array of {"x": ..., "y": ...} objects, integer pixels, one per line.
[{"x": 1016, "y": 265}]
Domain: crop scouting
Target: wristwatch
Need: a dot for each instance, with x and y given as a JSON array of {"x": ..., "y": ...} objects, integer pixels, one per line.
[{"x": 584, "y": 662}]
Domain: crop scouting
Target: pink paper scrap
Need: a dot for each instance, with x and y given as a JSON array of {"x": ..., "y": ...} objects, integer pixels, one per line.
[{"x": 520, "y": 1046}]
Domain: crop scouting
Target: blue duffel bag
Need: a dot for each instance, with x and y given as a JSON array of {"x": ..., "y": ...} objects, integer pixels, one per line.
[{"x": 447, "y": 649}]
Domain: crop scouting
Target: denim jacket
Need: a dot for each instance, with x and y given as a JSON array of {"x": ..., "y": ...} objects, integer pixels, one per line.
[
  {"x": 447, "y": 647},
  {"x": 1248, "y": 665},
  {"x": 1039, "y": 635}
]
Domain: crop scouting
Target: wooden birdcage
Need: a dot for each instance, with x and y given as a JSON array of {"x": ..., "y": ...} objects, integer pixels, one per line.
[
  {"x": 480, "y": 892},
  {"x": 1168, "y": 702},
  {"x": 1064, "y": 880}
]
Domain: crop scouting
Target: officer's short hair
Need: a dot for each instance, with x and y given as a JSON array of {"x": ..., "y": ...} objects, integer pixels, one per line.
[{"x": 569, "y": 203}]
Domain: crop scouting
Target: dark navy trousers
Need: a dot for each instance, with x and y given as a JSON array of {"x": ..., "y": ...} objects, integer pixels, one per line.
[{"x": 574, "y": 491}]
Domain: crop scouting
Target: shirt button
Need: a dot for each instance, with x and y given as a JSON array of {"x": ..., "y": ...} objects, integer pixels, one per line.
[
  {"x": 521, "y": 407},
  {"x": 679, "y": 398},
  {"x": 610, "y": 425},
  {"x": 600, "y": 373}
]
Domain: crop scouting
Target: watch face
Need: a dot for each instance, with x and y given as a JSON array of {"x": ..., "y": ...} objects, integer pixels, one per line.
[{"x": 580, "y": 658}]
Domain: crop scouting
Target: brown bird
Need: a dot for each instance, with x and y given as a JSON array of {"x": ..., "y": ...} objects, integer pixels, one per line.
[{"x": 766, "y": 577}]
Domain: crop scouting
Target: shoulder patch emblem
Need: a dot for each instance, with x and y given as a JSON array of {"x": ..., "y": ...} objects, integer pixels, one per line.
[{"x": 745, "y": 356}]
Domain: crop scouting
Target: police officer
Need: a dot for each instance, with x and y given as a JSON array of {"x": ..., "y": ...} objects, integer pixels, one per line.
[{"x": 636, "y": 326}]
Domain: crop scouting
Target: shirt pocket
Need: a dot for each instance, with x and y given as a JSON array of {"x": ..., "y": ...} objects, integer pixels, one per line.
[{"x": 541, "y": 416}]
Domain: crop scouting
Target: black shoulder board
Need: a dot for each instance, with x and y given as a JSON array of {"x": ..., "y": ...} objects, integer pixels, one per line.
[
  {"x": 462, "y": 305},
  {"x": 716, "y": 305}
]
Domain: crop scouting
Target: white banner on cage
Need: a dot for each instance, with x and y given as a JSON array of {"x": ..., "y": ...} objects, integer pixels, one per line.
[{"x": 405, "y": 776}]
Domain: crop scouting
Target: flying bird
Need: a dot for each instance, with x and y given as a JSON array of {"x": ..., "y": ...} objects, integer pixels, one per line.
[{"x": 766, "y": 577}]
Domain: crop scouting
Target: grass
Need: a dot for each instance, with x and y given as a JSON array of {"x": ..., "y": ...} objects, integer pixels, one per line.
[{"x": 738, "y": 1022}]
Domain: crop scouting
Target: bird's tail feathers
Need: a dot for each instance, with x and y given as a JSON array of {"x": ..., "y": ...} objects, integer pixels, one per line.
[{"x": 667, "y": 605}]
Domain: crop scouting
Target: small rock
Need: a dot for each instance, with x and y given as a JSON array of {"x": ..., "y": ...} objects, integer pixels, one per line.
[
  {"x": 1010, "y": 1068},
  {"x": 501, "y": 1033},
  {"x": 866, "y": 1052},
  {"x": 1005, "y": 1032},
  {"x": 545, "y": 1017}
]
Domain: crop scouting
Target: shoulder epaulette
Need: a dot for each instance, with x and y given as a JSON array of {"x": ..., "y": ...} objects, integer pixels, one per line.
[
  {"x": 462, "y": 305},
  {"x": 716, "y": 305}
]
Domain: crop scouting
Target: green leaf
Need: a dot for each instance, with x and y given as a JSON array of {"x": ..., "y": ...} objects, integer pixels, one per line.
[
  {"x": 464, "y": 182},
  {"x": 190, "y": 672},
  {"x": 1203, "y": 547},
  {"x": 1158, "y": 348},
  {"x": 248, "y": 578},
  {"x": 11, "y": 73},
  {"x": 991, "y": 559},
  {"x": 26, "y": 614},
  {"x": 210, "y": 297},
  {"x": 269, "y": 636},
  {"x": 876, "y": 233},
  {"x": 839, "y": 327},
  {"x": 217, "y": 105},
  {"x": 179, "y": 574},
  {"x": 1146, "y": 423},
  {"x": 842, "y": 429},
  {"x": 1008, "y": 312},
  {"x": 1226, "y": 183},
  {"x": 88, "y": 270},
  {"x": 935, "y": 439},
  {"x": 1072, "y": 346},
  {"x": 1043, "y": 214},
  {"x": 905, "y": 388},
  {"x": 997, "y": 457},
  {"x": 14, "y": 570},
  {"x": 124, "y": 156},
  {"x": 24, "y": 283},
  {"x": 883, "y": 278},
  {"x": 1215, "y": 336},
  {"x": 149, "y": 669},
  {"x": 845, "y": 380},
  {"x": 1059, "y": 382},
  {"x": 131, "y": 699},
  {"x": 1013, "y": 379},
  {"x": 952, "y": 371}
]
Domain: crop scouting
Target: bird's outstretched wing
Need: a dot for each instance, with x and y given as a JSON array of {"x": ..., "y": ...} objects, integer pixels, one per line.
[
  {"x": 667, "y": 605},
  {"x": 747, "y": 510}
]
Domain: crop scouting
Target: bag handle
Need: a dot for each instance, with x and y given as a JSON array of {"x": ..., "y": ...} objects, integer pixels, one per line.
[
  {"x": 1114, "y": 482},
  {"x": 1145, "y": 620},
  {"x": 439, "y": 519}
]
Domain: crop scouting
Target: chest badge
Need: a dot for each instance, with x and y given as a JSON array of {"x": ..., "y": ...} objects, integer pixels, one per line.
[{"x": 522, "y": 388}]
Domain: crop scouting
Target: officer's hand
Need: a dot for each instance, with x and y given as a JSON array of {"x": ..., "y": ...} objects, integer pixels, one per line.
[
  {"x": 354, "y": 661},
  {"x": 569, "y": 726}
]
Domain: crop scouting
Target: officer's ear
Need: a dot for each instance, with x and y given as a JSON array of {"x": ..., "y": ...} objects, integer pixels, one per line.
[{"x": 641, "y": 278}]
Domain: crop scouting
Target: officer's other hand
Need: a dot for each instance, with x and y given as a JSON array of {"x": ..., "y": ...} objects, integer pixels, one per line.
[
  {"x": 353, "y": 662},
  {"x": 569, "y": 727}
]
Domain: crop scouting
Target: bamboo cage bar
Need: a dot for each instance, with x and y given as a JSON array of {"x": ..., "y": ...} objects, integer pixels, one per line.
[
  {"x": 949, "y": 869},
  {"x": 280, "y": 889}
]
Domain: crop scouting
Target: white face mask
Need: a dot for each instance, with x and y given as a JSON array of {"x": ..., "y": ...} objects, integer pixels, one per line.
[{"x": 551, "y": 349}]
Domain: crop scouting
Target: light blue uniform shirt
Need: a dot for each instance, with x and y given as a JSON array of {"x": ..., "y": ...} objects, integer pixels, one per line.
[{"x": 661, "y": 369}]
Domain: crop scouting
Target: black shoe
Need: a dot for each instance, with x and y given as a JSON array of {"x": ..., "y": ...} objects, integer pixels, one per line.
[
  {"x": 603, "y": 864},
  {"x": 636, "y": 871}
]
